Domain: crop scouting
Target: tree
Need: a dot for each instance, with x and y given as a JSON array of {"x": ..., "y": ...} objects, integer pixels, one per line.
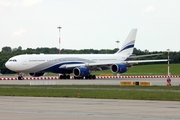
[
  {"x": 6, "y": 49},
  {"x": 19, "y": 48},
  {"x": 14, "y": 49}
]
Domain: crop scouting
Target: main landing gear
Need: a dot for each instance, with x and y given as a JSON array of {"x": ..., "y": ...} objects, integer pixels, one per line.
[
  {"x": 75, "y": 77},
  {"x": 64, "y": 76},
  {"x": 86, "y": 77}
]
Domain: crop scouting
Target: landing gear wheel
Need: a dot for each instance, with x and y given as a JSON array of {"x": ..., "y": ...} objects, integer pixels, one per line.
[
  {"x": 20, "y": 77},
  {"x": 93, "y": 76},
  {"x": 68, "y": 77},
  {"x": 75, "y": 77},
  {"x": 64, "y": 77},
  {"x": 90, "y": 77},
  {"x": 86, "y": 77},
  {"x": 61, "y": 77}
]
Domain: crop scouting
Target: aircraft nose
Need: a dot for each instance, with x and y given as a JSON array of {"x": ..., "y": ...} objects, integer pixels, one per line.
[
  {"x": 13, "y": 65},
  {"x": 7, "y": 64}
]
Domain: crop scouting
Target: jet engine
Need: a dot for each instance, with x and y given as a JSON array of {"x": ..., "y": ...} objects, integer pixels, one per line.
[
  {"x": 37, "y": 74},
  {"x": 81, "y": 71},
  {"x": 118, "y": 68}
]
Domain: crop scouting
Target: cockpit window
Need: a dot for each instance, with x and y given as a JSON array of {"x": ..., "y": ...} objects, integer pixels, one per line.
[{"x": 12, "y": 60}]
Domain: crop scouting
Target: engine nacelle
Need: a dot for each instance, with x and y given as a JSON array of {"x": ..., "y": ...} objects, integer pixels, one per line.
[
  {"x": 81, "y": 71},
  {"x": 38, "y": 74},
  {"x": 118, "y": 68}
]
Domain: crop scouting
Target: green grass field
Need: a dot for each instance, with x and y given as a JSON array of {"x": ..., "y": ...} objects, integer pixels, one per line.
[
  {"x": 164, "y": 93},
  {"x": 155, "y": 69}
]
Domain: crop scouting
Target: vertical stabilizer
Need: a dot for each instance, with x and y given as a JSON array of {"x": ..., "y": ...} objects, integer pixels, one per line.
[{"x": 128, "y": 46}]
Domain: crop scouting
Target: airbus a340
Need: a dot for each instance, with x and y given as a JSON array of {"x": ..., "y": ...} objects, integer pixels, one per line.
[{"x": 80, "y": 65}]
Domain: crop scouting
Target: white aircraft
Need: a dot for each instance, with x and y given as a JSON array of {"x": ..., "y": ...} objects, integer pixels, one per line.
[{"x": 80, "y": 65}]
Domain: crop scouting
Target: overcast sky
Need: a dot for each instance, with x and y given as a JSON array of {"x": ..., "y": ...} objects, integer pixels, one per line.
[{"x": 90, "y": 24}]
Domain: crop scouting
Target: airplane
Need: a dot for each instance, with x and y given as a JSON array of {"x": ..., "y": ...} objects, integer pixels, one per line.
[{"x": 80, "y": 65}]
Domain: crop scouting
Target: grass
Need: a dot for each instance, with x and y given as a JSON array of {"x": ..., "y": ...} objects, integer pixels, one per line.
[
  {"x": 156, "y": 69},
  {"x": 164, "y": 93}
]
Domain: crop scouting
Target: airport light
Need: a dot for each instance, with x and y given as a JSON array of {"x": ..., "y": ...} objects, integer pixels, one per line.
[
  {"x": 117, "y": 41},
  {"x": 168, "y": 50},
  {"x": 59, "y": 39}
]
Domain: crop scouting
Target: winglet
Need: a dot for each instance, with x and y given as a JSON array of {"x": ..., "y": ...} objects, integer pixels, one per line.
[{"x": 128, "y": 46}]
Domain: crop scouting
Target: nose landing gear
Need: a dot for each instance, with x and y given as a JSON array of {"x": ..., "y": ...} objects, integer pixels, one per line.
[{"x": 20, "y": 76}]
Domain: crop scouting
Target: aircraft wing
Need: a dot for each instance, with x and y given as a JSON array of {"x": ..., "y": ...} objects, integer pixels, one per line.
[
  {"x": 144, "y": 61},
  {"x": 131, "y": 62},
  {"x": 139, "y": 56},
  {"x": 86, "y": 65},
  {"x": 71, "y": 65}
]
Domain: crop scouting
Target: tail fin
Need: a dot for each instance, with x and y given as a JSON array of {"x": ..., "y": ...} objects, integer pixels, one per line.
[{"x": 128, "y": 46}]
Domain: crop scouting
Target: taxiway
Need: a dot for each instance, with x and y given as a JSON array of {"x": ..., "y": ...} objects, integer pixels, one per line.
[
  {"x": 45, "y": 108},
  {"x": 154, "y": 81}
]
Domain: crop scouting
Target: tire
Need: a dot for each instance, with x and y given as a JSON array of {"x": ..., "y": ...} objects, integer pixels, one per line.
[
  {"x": 68, "y": 77},
  {"x": 90, "y": 76},
  {"x": 61, "y": 77},
  {"x": 93, "y": 77},
  {"x": 86, "y": 77},
  {"x": 20, "y": 77}
]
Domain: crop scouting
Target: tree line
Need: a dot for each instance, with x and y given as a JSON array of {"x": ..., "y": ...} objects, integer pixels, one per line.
[{"x": 8, "y": 52}]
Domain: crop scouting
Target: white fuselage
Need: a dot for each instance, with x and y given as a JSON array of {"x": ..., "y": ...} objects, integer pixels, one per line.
[{"x": 39, "y": 62}]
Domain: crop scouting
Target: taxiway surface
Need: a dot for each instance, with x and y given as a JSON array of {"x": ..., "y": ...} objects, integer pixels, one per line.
[
  {"x": 44, "y": 108},
  {"x": 154, "y": 81},
  {"x": 28, "y": 108}
]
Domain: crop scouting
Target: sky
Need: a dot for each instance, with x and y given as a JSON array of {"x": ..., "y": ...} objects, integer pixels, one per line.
[{"x": 90, "y": 24}]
